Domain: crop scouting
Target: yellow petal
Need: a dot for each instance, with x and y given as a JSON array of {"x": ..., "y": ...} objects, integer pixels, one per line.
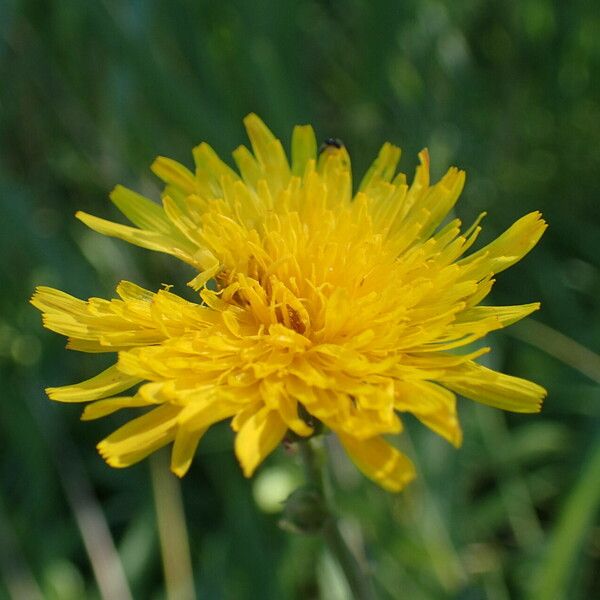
[
  {"x": 245, "y": 414},
  {"x": 304, "y": 148},
  {"x": 484, "y": 385},
  {"x": 184, "y": 448},
  {"x": 508, "y": 248},
  {"x": 277, "y": 398},
  {"x": 257, "y": 438},
  {"x": 206, "y": 409},
  {"x": 174, "y": 173},
  {"x": 249, "y": 168},
  {"x": 141, "y": 211},
  {"x": 100, "y": 325},
  {"x": 379, "y": 461},
  {"x": 130, "y": 291},
  {"x": 50, "y": 300},
  {"x": 102, "y": 408},
  {"x": 151, "y": 240},
  {"x": 210, "y": 171},
  {"x": 205, "y": 275},
  {"x": 140, "y": 437},
  {"x": 382, "y": 169},
  {"x": 505, "y": 315},
  {"x": 433, "y": 405},
  {"x": 200, "y": 413},
  {"x": 109, "y": 382},
  {"x": 267, "y": 148},
  {"x": 269, "y": 153},
  {"x": 335, "y": 169},
  {"x": 184, "y": 222},
  {"x": 440, "y": 199}
]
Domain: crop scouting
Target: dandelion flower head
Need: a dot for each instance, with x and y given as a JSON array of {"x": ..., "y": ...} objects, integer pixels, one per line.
[{"x": 317, "y": 306}]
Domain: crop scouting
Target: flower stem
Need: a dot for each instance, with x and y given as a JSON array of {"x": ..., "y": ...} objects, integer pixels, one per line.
[
  {"x": 172, "y": 531},
  {"x": 355, "y": 574}
]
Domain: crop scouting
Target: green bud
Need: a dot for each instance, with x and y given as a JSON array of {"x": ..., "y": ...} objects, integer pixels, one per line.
[{"x": 304, "y": 511}]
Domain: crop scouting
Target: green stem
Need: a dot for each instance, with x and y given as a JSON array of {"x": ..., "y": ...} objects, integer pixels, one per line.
[
  {"x": 172, "y": 531},
  {"x": 354, "y": 572}
]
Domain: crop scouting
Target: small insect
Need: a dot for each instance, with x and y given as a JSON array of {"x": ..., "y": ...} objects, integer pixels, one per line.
[{"x": 330, "y": 143}]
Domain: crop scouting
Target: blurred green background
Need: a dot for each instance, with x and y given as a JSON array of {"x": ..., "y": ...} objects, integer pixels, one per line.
[{"x": 91, "y": 92}]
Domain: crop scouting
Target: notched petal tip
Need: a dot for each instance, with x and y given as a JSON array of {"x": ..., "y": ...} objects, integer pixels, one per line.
[
  {"x": 111, "y": 459},
  {"x": 37, "y": 297},
  {"x": 507, "y": 392},
  {"x": 543, "y": 394},
  {"x": 51, "y": 392}
]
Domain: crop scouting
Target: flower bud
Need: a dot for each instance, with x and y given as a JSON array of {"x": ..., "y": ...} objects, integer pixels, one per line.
[{"x": 304, "y": 511}]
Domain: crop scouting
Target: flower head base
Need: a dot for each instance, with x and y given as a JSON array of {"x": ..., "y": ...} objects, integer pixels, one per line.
[{"x": 328, "y": 306}]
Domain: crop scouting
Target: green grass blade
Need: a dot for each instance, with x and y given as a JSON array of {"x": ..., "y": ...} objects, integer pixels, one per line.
[{"x": 574, "y": 523}]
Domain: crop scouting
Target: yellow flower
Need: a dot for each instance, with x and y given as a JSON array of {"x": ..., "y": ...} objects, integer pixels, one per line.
[{"x": 316, "y": 305}]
